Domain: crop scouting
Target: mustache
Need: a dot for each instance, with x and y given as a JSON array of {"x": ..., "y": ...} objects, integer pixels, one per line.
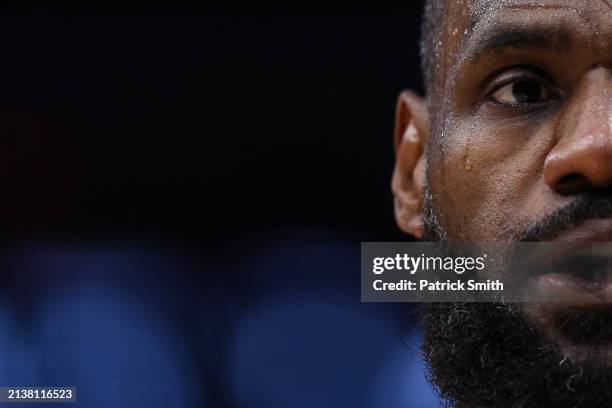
[{"x": 589, "y": 205}]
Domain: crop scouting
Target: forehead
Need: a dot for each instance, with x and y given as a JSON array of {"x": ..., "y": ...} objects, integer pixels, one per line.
[
  {"x": 482, "y": 11},
  {"x": 471, "y": 24},
  {"x": 465, "y": 18}
]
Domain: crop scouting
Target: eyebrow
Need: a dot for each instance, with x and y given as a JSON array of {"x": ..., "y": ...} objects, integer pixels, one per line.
[{"x": 502, "y": 37}]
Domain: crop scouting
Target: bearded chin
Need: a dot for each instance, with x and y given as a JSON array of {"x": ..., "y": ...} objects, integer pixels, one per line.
[{"x": 489, "y": 355}]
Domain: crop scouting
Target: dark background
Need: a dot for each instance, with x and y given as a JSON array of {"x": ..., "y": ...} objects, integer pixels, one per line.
[
  {"x": 236, "y": 163},
  {"x": 203, "y": 128}
]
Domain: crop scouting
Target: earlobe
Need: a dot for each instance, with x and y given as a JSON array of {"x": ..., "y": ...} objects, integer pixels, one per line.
[{"x": 411, "y": 131}]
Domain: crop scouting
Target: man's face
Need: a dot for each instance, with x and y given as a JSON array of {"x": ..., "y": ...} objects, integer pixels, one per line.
[
  {"x": 520, "y": 148},
  {"x": 522, "y": 144},
  {"x": 524, "y": 101}
]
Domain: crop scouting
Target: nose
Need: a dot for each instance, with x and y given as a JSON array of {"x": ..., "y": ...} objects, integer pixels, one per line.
[{"x": 582, "y": 156}]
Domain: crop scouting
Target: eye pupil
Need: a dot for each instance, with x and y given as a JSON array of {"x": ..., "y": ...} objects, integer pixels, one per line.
[{"x": 526, "y": 92}]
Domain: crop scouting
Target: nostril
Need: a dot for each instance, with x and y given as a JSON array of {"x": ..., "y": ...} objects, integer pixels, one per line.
[
  {"x": 571, "y": 178},
  {"x": 572, "y": 183}
]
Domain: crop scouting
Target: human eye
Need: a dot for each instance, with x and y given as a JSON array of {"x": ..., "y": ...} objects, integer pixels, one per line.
[{"x": 521, "y": 87}]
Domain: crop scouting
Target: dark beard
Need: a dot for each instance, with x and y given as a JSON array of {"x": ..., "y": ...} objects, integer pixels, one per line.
[{"x": 487, "y": 355}]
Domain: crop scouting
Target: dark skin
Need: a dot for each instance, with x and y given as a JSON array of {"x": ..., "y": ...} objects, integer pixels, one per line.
[{"x": 518, "y": 126}]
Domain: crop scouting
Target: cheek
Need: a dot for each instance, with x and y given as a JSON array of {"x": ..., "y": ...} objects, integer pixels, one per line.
[{"x": 487, "y": 179}]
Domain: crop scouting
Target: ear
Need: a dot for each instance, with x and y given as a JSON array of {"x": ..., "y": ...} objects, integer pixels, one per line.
[{"x": 410, "y": 136}]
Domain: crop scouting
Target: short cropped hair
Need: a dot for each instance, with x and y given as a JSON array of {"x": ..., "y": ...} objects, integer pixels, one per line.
[{"x": 433, "y": 14}]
